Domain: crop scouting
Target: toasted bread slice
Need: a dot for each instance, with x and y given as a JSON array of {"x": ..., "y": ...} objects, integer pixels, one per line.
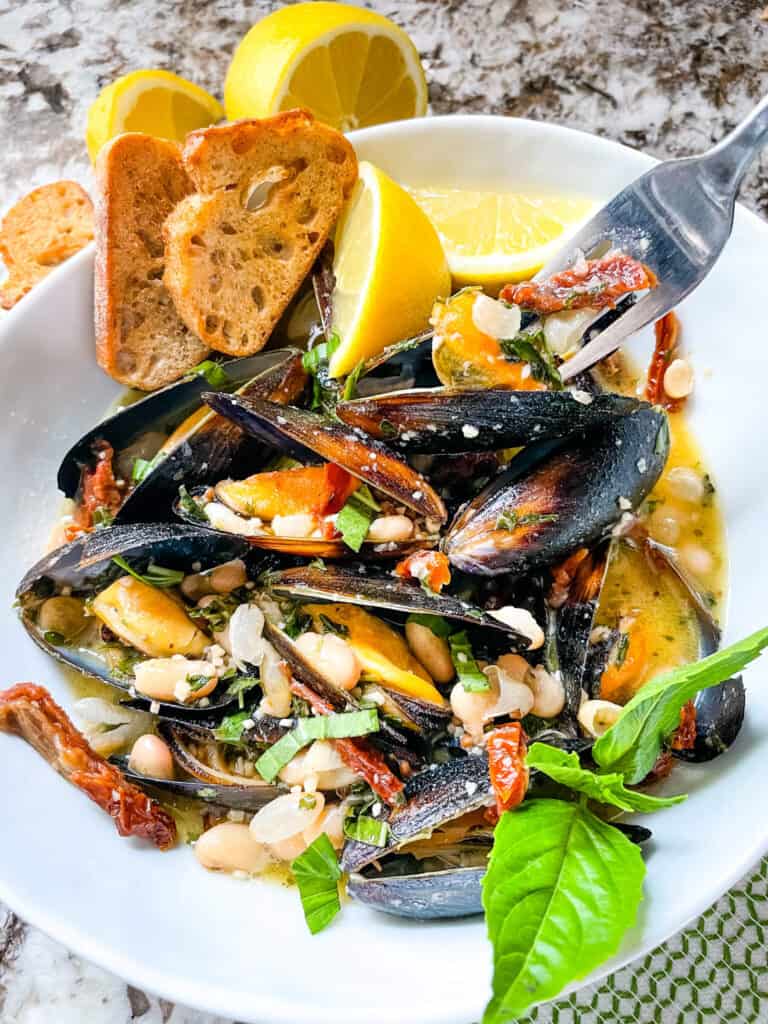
[
  {"x": 140, "y": 339},
  {"x": 43, "y": 229},
  {"x": 268, "y": 195}
]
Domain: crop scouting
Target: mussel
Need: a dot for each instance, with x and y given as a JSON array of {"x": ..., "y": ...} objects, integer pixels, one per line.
[
  {"x": 560, "y": 495},
  {"x": 107, "y": 605},
  {"x": 170, "y": 437},
  {"x": 306, "y": 498}
]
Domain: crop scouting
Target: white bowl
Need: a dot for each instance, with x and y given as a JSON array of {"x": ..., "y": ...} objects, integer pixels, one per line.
[{"x": 242, "y": 949}]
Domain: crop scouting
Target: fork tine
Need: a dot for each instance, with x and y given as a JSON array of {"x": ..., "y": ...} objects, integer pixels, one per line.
[{"x": 651, "y": 307}]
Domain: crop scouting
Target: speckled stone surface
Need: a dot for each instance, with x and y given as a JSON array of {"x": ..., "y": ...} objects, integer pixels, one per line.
[{"x": 666, "y": 76}]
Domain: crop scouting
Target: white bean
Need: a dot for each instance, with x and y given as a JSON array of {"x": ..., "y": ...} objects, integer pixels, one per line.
[
  {"x": 521, "y": 620},
  {"x": 597, "y": 716},
  {"x": 286, "y": 816},
  {"x": 166, "y": 678},
  {"x": 678, "y": 379},
  {"x": 431, "y": 651},
  {"x": 548, "y": 693},
  {"x": 515, "y": 666},
  {"x": 331, "y": 821},
  {"x": 686, "y": 484},
  {"x": 696, "y": 559},
  {"x": 332, "y": 656},
  {"x": 514, "y": 698},
  {"x": 152, "y": 757},
  {"x": 472, "y": 709},
  {"x": 495, "y": 318},
  {"x": 231, "y": 846},
  {"x": 299, "y": 525},
  {"x": 276, "y": 683},
  {"x": 223, "y": 518},
  {"x": 390, "y": 529}
]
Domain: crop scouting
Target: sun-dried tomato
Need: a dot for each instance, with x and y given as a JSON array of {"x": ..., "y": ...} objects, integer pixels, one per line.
[
  {"x": 593, "y": 283},
  {"x": 29, "y": 711},
  {"x": 667, "y": 330},
  {"x": 357, "y": 755},
  {"x": 341, "y": 484},
  {"x": 506, "y": 760},
  {"x": 99, "y": 490},
  {"x": 429, "y": 567},
  {"x": 684, "y": 737}
]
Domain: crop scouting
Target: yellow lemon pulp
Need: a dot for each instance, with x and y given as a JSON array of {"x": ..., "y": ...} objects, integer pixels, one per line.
[
  {"x": 155, "y": 102},
  {"x": 491, "y": 238},
  {"x": 389, "y": 266},
  {"x": 382, "y": 652},
  {"x": 350, "y": 66}
]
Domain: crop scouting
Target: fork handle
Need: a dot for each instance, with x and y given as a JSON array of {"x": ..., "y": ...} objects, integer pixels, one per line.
[{"x": 726, "y": 163}]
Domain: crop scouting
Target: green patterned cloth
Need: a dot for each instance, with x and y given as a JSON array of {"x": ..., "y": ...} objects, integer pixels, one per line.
[{"x": 715, "y": 972}]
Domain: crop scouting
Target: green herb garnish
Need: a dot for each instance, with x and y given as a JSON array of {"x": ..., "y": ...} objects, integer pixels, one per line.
[
  {"x": 324, "y": 727},
  {"x": 196, "y": 683},
  {"x": 510, "y": 520},
  {"x": 356, "y": 516},
  {"x": 240, "y": 686},
  {"x": 317, "y": 875},
  {"x": 217, "y": 613},
  {"x": 103, "y": 517},
  {"x": 142, "y": 467},
  {"x": 562, "y": 888},
  {"x": 606, "y": 789},
  {"x": 634, "y": 742},
  {"x": 190, "y": 507},
  {"x": 532, "y": 348},
  {"x": 315, "y": 358},
  {"x": 350, "y": 384},
  {"x": 213, "y": 372},
  {"x": 467, "y": 669},
  {"x": 52, "y": 637},
  {"x": 155, "y": 576},
  {"x": 366, "y": 829},
  {"x": 230, "y": 729}
]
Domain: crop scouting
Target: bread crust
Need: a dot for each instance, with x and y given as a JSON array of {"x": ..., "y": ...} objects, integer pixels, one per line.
[
  {"x": 140, "y": 339},
  {"x": 268, "y": 195},
  {"x": 40, "y": 231}
]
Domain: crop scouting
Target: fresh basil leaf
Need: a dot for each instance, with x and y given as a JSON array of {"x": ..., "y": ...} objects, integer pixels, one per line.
[
  {"x": 323, "y": 727},
  {"x": 467, "y": 669},
  {"x": 531, "y": 347},
  {"x": 366, "y": 829},
  {"x": 634, "y": 742},
  {"x": 350, "y": 384},
  {"x": 317, "y": 875},
  {"x": 439, "y": 626},
  {"x": 562, "y": 888},
  {"x": 213, "y": 372},
  {"x": 143, "y": 467},
  {"x": 606, "y": 789},
  {"x": 356, "y": 516},
  {"x": 190, "y": 507},
  {"x": 230, "y": 729},
  {"x": 155, "y": 576}
]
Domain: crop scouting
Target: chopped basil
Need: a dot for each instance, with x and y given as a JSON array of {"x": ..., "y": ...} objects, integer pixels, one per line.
[
  {"x": 213, "y": 372},
  {"x": 350, "y": 384},
  {"x": 240, "y": 686},
  {"x": 230, "y": 729},
  {"x": 190, "y": 507},
  {"x": 622, "y": 647},
  {"x": 317, "y": 875},
  {"x": 217, "y": 613},
  {"x": 296, "y": 622},
  {"x": 467, "y": 669},
  {"x": 102, "y": 517},
  {"x": 366, "y": 829},
  {"x": 531, "y": 348},
  {"x": 325, "y": 392},
  {"x": 326, "y": 727},
  {"x": 155, "y": 576},
  {"x": 357, "y": 515},
  {"x": 510, "y": 520},
  {"x": 142, "y": 467},
  {"x": 196, "y": 683},
  {"x": 434, "y": 623},
  {"x": 52, "y": 637},
  {"x": 314, "y": 359}
]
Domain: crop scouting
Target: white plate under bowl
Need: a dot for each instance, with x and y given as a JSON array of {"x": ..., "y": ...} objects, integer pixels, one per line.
[{"x": 242, "y": 949}]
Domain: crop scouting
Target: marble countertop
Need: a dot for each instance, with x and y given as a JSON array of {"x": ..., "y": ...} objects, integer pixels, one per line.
[{"x": 666, "y": 76}]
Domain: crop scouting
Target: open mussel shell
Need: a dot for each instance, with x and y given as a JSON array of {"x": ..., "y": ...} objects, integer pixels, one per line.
[
  {"x": 558, "y": 496},
  {"x": 459, "y": 420},
  {"x": 86, "y": 566},
  {"x": 420, "y": 895},
  {"x": 390, "y": 593},
  {"x": 303, "y": 547},
  {"x": 236, "y": 797},
  {"x": 433, "y": 797},
  {"x": 207, "y": 446},
  {"x": 719, "y": 709},
  {"x": 310, "y": 437}
]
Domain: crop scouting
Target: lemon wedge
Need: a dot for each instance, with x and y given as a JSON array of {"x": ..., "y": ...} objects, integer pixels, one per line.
[
  {"x": 390, "y": 268},
  {"x": 350, "y": 66},
  {"x": 491, "y": 238},
  {"x": 155, "y": 102}
]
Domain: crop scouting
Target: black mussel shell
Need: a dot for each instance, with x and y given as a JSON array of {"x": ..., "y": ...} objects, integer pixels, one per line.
[
  {"x": 239, "y": 798},
  {"x": 422, "y": 895}
]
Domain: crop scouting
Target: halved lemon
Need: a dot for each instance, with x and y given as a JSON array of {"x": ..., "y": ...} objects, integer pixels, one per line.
[
  {"x": 350, "y": 66},
  {"x": 389, "y": 266},
  {"x": 491, "y": 238},
  {"x": 155, "y": 102}
]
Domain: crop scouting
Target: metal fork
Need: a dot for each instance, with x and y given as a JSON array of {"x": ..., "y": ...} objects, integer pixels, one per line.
[{"x": 676, "y": 218}]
